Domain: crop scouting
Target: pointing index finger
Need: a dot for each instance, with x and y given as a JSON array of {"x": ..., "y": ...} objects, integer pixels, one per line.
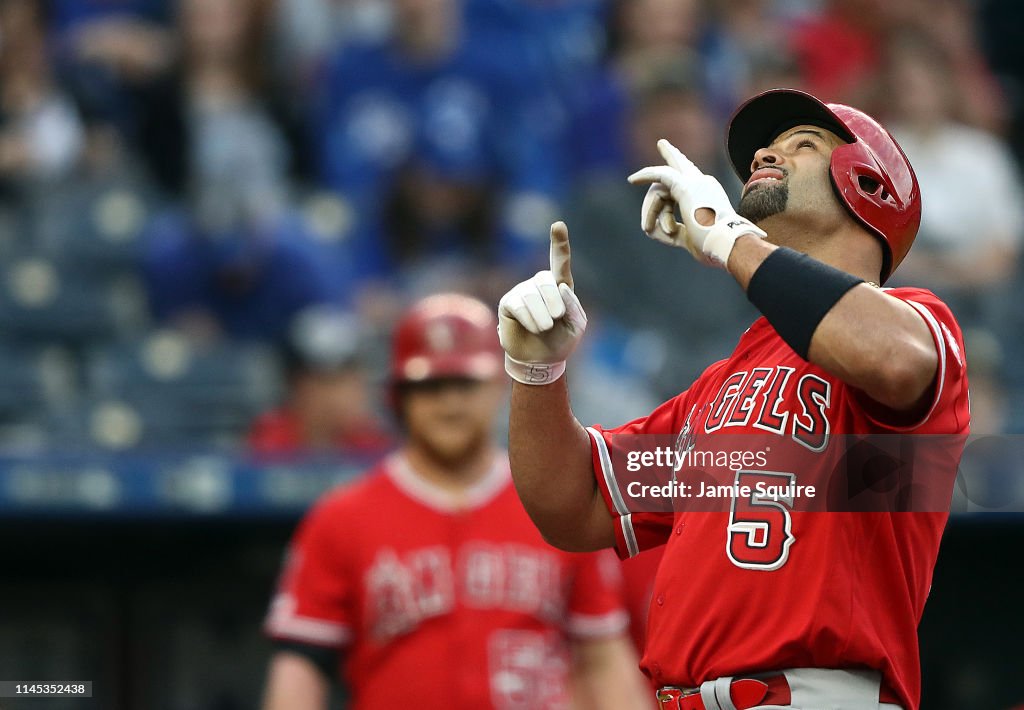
[
  {"x": 674, "y": 157},
  {"x": 560, "y": 266}
]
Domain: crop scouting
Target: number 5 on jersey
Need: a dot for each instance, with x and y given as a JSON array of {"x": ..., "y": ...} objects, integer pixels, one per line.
[{"x": 760, "y": 525}]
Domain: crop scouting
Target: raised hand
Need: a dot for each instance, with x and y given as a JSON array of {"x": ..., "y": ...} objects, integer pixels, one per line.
[
  {"x": 680, "y": 182},
  {"x": 540, "y": 320}
]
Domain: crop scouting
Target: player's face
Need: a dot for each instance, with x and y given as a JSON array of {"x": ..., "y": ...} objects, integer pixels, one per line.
[
  {"x": 451, "y": 420},
  {"x": 334, "y": 400},
  {"x": 791, "y": 176}
]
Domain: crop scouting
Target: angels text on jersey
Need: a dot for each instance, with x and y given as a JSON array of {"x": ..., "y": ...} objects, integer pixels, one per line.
[{"x": 405, "y": 588}]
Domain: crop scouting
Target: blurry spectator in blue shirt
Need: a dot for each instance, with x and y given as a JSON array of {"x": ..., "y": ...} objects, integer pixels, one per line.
[
  {"x": 432, "y": 84},
  {"x": 107, "y": 48},
  {"x": 75, "y": 15},
  {"x": 742, "y": 37},
  {"x": 439, "y": 210},
  {"x": 41, "y": 134},
  {"x": 564, "y": 44},
  {"x": 564, "y": 35},
  {"x": 642, "y": 37},
  {"x": 237, "y": 264}
]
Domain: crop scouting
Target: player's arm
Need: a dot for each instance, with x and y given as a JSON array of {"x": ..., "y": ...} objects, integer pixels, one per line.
[
  {"x": 295, "y": 682},
  {"x": 540, "y": 322},
  {"x": 551, "y": 465},
  {"x": 309, "y": 620},
  {"x": 868, "y": 339},
  {"x": 605, "y": 676}
]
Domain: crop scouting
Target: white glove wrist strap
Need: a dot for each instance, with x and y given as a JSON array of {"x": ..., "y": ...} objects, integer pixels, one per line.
[
  {"x": 533, "y": 373},
  {"x": 722, "y": 236}
]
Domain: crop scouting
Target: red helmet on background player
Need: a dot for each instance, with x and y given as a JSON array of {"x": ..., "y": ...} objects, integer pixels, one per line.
[
  {"x": 447, "y": 335},
  {"x": 870, "y": 174}
]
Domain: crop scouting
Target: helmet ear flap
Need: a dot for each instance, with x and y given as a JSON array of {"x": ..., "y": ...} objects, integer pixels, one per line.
[
  {"x": 864, "y": 191},
  {"x": 855, "y": 164},
  {"x": 877, "y": 184}
]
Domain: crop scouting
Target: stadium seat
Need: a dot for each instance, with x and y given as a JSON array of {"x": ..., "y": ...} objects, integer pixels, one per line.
[
  {"x": 163, "y": 390},
  {"x": 95, "y": 225},
  {"x": 35, "y": 381},
  {"x": 42, "y": 299}
]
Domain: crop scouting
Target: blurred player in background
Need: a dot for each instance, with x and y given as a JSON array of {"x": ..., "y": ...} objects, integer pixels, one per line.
[
  {"x": 328, "y": 407},
  {"x": 767, "y": 601},
  {"x": 425, "y": 582}
]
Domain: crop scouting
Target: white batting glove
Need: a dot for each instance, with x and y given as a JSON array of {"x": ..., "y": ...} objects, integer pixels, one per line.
[
  {"x": 692, "y": 190},
  {"x": 658, "y": 220},
  {"x": 540, "y": 320}
]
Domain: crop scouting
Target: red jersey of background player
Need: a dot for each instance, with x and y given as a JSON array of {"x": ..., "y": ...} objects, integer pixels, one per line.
[
  {"x": 279, "y": 433},
  {"x": 846, "y": 589},
  {"x": 441, "y": 602}
]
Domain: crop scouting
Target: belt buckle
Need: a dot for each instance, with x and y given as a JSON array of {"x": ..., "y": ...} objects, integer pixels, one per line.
[{"x": 674, "y": 695}]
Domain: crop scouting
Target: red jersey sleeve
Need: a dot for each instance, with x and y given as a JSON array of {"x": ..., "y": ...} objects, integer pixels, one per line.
[
  {"x": 596, "y": 607},
  {"x": 313, "y": 598},
  {"x": 948, "y": 411},
  {"x": 636, "y": 529}
]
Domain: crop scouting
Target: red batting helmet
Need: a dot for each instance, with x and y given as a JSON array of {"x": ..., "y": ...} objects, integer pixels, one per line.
[
  {"x": 870, "y": 174},
  {"x": 447, "y": 335}
]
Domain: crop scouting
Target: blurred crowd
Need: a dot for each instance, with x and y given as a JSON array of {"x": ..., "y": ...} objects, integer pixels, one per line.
[{"x": 211, "y": 211}]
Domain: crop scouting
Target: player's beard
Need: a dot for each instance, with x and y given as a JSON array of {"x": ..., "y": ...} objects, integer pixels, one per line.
[{"x": 764, "y": 201}]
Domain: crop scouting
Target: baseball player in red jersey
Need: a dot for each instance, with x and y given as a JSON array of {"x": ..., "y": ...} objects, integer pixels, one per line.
[
  {"x": 777, "y": 599},
  {"x": 425, "y": 583}
]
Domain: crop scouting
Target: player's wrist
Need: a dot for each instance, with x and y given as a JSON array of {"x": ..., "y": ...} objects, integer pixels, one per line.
[
  {"x": 533, "y": 373},
  {"x": 721, "y": 238}
]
